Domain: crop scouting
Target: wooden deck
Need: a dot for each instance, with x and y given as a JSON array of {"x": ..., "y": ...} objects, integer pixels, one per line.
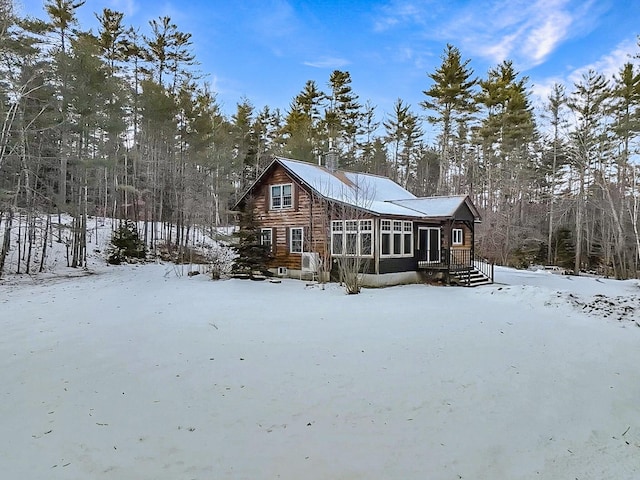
[{"x": 460, "y": 264}]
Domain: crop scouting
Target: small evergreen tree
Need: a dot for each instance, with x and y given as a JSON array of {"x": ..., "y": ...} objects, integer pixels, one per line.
[
  {"x": 125, "y": 244},
  {"x": 252, "y": 254}
]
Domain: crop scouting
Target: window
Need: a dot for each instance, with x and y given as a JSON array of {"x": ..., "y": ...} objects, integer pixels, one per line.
[
  {"x": 385, "y": 237},
  {"x": 337, "y": 237},
  {"x": 295, "y": 240},
  {"x": 407, "y": 238},
  {"x": 352, "y": 237},
  {"x": 396, "y": 238},
  {"x": 457, "y": 236},
  {"x": 266, "y": 237},
  {"x": 366, "y": 237},
  {"x": 281, "y": 196}
]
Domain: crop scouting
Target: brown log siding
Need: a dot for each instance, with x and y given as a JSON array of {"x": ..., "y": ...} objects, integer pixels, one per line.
[
  {"x": 466, "y": 233},
  {"x": 306, "y": 212},
  {"x": 314, "y": 216}
]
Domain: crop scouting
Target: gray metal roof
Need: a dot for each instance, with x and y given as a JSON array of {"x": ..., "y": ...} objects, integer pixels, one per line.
[{"x": 374, "y": 193}]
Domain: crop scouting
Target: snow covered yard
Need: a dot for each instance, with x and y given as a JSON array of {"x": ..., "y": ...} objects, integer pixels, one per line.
[{"x": 135, "y": 373}]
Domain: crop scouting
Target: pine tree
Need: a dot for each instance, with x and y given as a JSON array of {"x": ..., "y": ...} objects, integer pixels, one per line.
[
  {"x": 557, "y": 100},
  {"x": 588, "y": 102},
  {"x": 301, "y": 129},
  {"x": 126, "y": 244},
  {"x": 342, "y": 116},
  {"x": 451, "y": 101},
  {"x": 252, "y": 255}
]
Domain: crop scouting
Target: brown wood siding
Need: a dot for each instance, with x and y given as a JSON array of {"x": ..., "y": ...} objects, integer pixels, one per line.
[
  {"x": 305, "y": 212},
  {"x": 314, "y": 216},
  {"x": 466, "y": 233}
]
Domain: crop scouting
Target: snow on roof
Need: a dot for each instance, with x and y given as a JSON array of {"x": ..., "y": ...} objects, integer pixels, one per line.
[
  {"x": 434, "y": 206},
  {"x": 370, "y": 192},
  {"x": 377, "y": 194}
]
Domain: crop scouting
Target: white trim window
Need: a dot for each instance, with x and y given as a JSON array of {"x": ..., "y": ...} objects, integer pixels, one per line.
[
  {"x": 353, "y": 238},
  {"x": 281, "y": 196},
  {"x": 296, "y": 239},
  {"x": 457, "y": 236},
  {"x": 266, "y": 237},
  {"x": 337, "y": 237},
  {"x": 385, "y": 238},
  {"x": 396, "y": 238},
  {"x": 366, "y": 238},
  {"x": 407, "y": 238}
]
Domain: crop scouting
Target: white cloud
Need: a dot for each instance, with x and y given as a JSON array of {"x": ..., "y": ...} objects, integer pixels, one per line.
[
  {"x": 396, "y": 13},
  {"x": 611, "y": 63},
  {"x": 543, "y": 39},
  {"x": 327, "y": 62},
  {"x": 128, "y": 7},
  {"x": 527, "y": 33},
  {"x": 524, "y": 31}
]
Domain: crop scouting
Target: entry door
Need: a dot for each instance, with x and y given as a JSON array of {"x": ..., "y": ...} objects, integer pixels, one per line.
[{"x": 429, "y": 244}]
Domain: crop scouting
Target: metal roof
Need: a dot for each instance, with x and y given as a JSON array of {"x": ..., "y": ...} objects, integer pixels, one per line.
[{"x": 374, "y": 193}]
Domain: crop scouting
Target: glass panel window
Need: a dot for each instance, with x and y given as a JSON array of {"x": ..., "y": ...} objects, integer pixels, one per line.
[
  {"x": 266, "y": 237},
  {"x": 337, "y": 238},
  {"x": 281, "y": 196},
  {"x": 295, "y": 242},
  {"x": 351, "y": 243},
  {"x": 385, "y": 243},
  {"x": 397, "y": 243},
  {"x": 457, "y": 236},
  {"x": 407, "y": 237},
  {"x": 276, "y": 196},
  {"x": 351, "y": 237},
  {"x": 408, "y": 244},
  {"x": 385, "y": 237},
  {"x": 366, "y": 243},
  {"x": 286, "y": 196},
  {"x": 336, "y": 243},
  {"x": 366, "y": 237},
  {"x": 396, "y": 238}
]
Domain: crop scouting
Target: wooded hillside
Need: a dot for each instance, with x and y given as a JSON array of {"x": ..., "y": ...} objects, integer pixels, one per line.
[{"x": 123, "y": 124}]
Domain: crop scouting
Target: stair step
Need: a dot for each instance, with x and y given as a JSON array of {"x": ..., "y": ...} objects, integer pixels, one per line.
[{"x": 472, "y": 278}]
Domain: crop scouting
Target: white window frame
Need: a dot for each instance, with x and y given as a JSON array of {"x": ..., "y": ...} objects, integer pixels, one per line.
[
  {"x": 457, "y": 236},
  {"x": 400, "y": 234},
  {"x": 361, "y": 229},
  {"x": 277, "y": 198},
  {"x": 337, "y": 237},
  {"x": 366, "y": 230},
  {"x": 407, "y": 238},
  {"x": 294, "y": 248},
  {"x": 263, "y": 241}
]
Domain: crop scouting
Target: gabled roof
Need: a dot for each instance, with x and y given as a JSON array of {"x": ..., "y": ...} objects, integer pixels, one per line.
[
  {"x": 439, "y": 206},
  {"x": 374, "y": 193}
]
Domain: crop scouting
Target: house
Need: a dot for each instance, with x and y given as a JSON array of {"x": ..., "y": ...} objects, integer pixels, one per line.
[{"x": 311, "y": 215}]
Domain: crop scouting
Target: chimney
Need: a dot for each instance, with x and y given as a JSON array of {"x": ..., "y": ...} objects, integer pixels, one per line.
[
  {"x": 331, "y": 158},
  {"x": 331, "y": 161}
]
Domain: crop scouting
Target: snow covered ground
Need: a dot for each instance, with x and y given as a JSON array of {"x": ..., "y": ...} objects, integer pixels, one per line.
[{"x": 135, "y": 372}]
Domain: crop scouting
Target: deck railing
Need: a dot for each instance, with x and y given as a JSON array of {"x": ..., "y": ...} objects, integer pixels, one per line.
[
  {"x": 484, "y": 267},
  {"x": 456, "y": 260}
]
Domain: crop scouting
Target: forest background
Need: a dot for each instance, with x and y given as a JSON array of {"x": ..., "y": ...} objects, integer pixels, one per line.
[{"x": 122, "y": 124}]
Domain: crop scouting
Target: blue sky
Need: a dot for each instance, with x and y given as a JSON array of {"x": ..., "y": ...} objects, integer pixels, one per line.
[{"x": 265, "y": 50}]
